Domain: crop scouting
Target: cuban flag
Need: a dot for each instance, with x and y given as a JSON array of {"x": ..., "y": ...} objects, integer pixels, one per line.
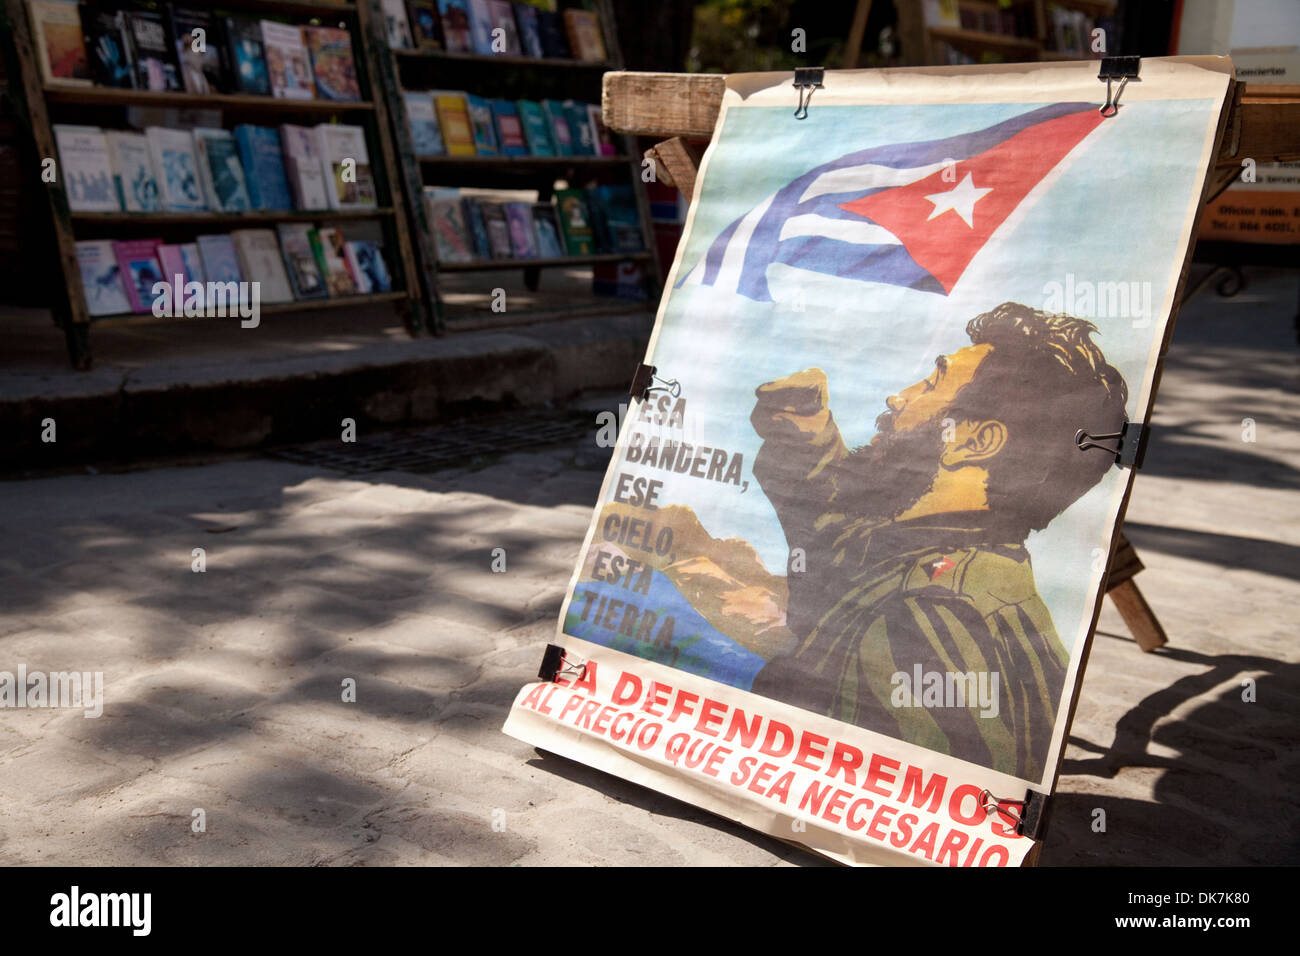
[{"x": 911, "y": 214}]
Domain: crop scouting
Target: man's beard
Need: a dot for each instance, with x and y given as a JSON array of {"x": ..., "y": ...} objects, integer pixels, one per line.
[{"x": 893, "y": 473}]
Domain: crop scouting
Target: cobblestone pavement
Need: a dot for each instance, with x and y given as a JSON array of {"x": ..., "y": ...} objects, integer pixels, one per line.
[{"x": 222, "y": 689}]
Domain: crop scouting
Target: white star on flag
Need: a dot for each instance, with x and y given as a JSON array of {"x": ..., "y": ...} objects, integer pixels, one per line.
[{"x": 960, "y": 199}]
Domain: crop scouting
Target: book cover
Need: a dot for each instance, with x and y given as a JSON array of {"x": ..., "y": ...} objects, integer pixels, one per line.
[
  {"x": 332, "y": 64},
  {"x": 453, "y": 117},
  {"x": 174, "y": 264},
  {"x": 554, "y": 41},
  {"x": 498, "y": 230},
  {"x": 575, "y": 222},
  {"x": 220, "y": 171},
  {"x": 60, "y": 44},
  {"x": 246, "y": 56},
  {"x": 199, "y": 50},
  {"x": 523, "y": 238},
  {"x": 345, "y": 164},
  {"x": 558, "y": 119},
  {"x": 423, "y": 18},
  {"x": 536, "y": 128},
  {"x": 327, "y": 244},
  {"x": 546, "y": 228},
  {"x": 616, "y": 207},
  {"x": 264, "y": 172},
  {"x": 86, "y": 169},
  {"x": 287, "y": 61},
  {"x": 300, "y": 261},
  {"x": 473, "y": 210},
  {"x": 530, "y": 37},
  {"x": 303, "y": 167},
  {"x": 101, "y": 278},
  {"x": 481, "y": 125},
  {"x": 604, "y": 141},
  {"x": 510, "y": 132},
  {"x": 258, "y": 252},
  {"x": 101, "y": 29},
  {"x": 193, "y": 262},
  {"x": 480, "y": 26},
  {"x": 502, "y": 17},
  {"x": 368, "y": 257},
  {"x": 454, "y": 15},
  {"x": 451, "y": 237},
  {"x": 583, "y": 30},
  {"x": 220, "y": 261},
  {"x": 361, "y": 280},
  {"x": 150, "y": 51},
  {"x": 583, "y": 136},
  {"x": 422, "y": 123},
  {"x": 133, "y": 173},
  {"x": 397, "y": 27},
  {"x": 141, "y": 271}
]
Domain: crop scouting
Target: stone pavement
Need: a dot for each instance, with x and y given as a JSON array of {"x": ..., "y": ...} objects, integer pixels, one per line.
[{"x": 223, "y": 689}]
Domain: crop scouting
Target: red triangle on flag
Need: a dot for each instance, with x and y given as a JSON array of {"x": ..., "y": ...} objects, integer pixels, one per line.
[{"x": 986, "y": 187}]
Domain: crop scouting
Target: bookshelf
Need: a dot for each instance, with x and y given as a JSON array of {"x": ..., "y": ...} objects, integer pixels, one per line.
[
  {"x": 950, "y": 32},
  {"x": 44, "y": 105},
  {"x": 459, "y": 299}
]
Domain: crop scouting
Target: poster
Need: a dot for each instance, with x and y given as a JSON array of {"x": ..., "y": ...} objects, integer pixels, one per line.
[{"x": 846, "y": 560}]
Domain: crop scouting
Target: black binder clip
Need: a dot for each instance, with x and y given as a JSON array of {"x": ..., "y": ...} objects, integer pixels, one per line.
[
  {"x": 555, "y": 662},
  {"x": 1028, "y": 820},
  {"x": 1122, "y": 68},
  {"x": 643, "y": 383},
  {"x": 807, "y": 79},
  {"x": 1130, "y": 447}
]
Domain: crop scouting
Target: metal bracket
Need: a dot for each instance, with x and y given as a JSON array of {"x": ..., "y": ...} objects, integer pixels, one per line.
[
  {"x": 1122, "y": 68},
  {"x": 1130, "y": 443},
  {"x": 807, "y": 79}
]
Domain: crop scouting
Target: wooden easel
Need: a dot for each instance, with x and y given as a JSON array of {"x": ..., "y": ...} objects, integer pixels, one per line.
[{"x": 1263, "y": 124}]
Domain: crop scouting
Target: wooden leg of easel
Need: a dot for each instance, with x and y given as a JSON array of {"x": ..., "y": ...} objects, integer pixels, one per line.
[
  {"x": 1130, "y": 603},
  {"x": 677, "y": 162}
]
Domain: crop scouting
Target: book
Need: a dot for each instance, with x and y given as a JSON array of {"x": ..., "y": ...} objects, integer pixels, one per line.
[
  {"x": 397, "y": 27},
  {"x": 582, "y": 27},
  {"x": 366, "y": 257},
  {"x": 480, "y": 26},
  {"x": 176, "y": 164},
  {"x": 220, "y": 261},
  {"x": 550, "y": 25},
  {"x": 288, "y": 63},
  {"x": 86, "y": 168},
  {"x": 258, "y": 252},
  {"x": 580, "y": 129},
  {"x": 530, "y": 37},
  {"x": 558, "y": 118},
  {"x": 199, "y": 51},
  {"x": 60, "y": 44},
  {"x": 220, "y": 171},
  {"x": 332, "y": 64},
  {"x": 547, "y": 230},
  {"x": 422, "y": 15},
  {"x": 502, "y": 17},
  {"x": 604, "y": 142},
  {"x": 481, "y": 125},
  {"x": 300, "y": 147},
  {"x": 175, "y": 263},
  {"x": 453, "y": 117},
  {"x": 615, "y": 219},
  {"x": 422, "y": 123},
  {"x": 451, "y": 237},
  {"x": 101, "y": 278},
  {"x": 575, "y": 222},
  {"x": 454, "y": 15},
  {"x": 498, "y": 230},
  {"x": 300, "y": 261},
  {"x": 345, "y": 164},
  {"x": 473, "y": 210},
  {"x": 150, "y": 51},
  {"x": 246, "y": 56},
  {"x": 327, "y": 244},
  {"x": 141, "y": 271},
  {"x": 523, "y": 237},
  {"x": 536, "y": 128},
  {"x": 101, "y": 30},
  {"x": 133, "y": 174},
  {"x": 261, "y": 155},
  {"x": 510, "y": 132}
]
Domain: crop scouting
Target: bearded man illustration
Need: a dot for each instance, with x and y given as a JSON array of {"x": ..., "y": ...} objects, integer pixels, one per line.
[{"x": 914, "y": 544}]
